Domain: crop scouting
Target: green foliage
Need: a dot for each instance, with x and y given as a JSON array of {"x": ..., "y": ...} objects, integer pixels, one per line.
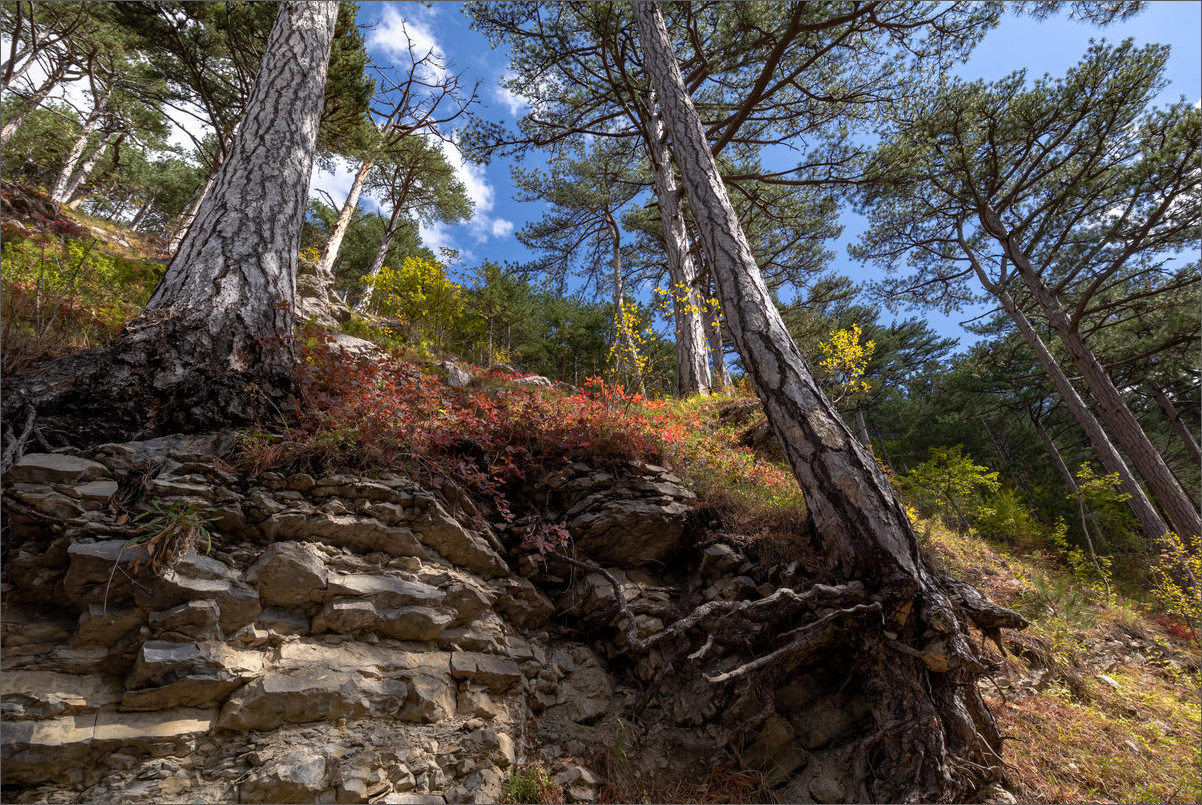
[
  {"x": 531, "y": 784},
  {"x": 1104, "y": 499},
  {"x": 951, "y": 477},
  {"x": 61, "y": 295},
  {"x": 1175, "y": 575}
]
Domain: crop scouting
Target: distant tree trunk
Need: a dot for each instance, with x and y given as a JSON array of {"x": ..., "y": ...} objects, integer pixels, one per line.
[
  {"x": 713, "y": 336},
  {"x": 1174, "y": 417},
  {"x": 64, "y": 186},
  {"x": 377, "y": 263},
  {"x": 1145, "y": 513},
  {"x": 693, "y": 375},
  {"x": 8, "y": 75},
  {"x": 142, "y": 212},
  {"x": 1070, "y": 481},
  {"x": 1122, "y": 424},
  {"x": 928, "y": 713},
  {"x": 32, "y": 102},
  {"x": 73, "y": 195},
  {"x": 626, "y": 349},
  {"x": 184, "y": 224},
  {"x": 325, "y": 269},
  {"x": 215, "y": 343},
  {"x": 865, "y": 439}
]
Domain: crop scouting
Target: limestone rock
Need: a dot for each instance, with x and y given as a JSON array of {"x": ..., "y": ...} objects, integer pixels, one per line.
[
  {"x": 323, "y": 695},
  {"x": 193, "y": 620},
  {"x": 168, "y": 675},
  {"x": 47, "y": 694},
  {"x": 353, "y": 616},
  {"x": 288, "y": 574},
  {"x": 456, "y": 377},
  {"x": 362, "y": 534},
  {"x": 534, "y": 380},
  {"x": 358, "y": 348},
  {"x": 521, "y": 602},
  {"x": 387, "y": 591},
  {"x": 106, "y": 626},
  {"x": 298, "y": 776},
  {"x": 196, "y": 577},
  {"x": 629, "y": 533},
  {"x": 94, "y": 576},
  {"x": 497, "y": 674},
  {"x": 54, "y": 468},
  {"x": 431, "y": 699},
  {"x": 446, "y": 535}
]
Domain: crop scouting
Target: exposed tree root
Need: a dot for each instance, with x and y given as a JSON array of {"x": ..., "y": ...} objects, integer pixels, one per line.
[{"x": 934, "y": 738}]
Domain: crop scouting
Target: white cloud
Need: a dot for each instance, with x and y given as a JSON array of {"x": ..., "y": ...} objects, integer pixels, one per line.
[
  {"x": 501, "y": 228},
  {"x": 337, "y": 182},
  {"x": 515, "y": 102},
  {"x": 409, "y": 38}
]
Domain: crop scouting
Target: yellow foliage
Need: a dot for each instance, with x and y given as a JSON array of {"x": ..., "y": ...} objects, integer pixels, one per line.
[
  {"x": 844, "y": 359},
  {"x": 418, "y": 293}
]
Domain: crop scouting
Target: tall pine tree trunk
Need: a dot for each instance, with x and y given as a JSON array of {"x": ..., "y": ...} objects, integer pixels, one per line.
[
  {"x": 1145, "y": 513},
  {"x": 1182, "y": 512},
  {"x": 1087, "y": 518},
  {"x": 693, "y": 372},
  {"x": 712, "y": 317},
  {"x": 915, "y": 666},
  {"x": 325, "y": 269},
  {"x": 215, "y": 343}
]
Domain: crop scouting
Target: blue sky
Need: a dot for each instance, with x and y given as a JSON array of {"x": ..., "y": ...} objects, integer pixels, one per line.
[{"x": 1050, "y": 46}]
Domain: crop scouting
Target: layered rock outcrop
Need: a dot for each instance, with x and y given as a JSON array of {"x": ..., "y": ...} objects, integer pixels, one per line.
[{"x": 341, "y": 638}]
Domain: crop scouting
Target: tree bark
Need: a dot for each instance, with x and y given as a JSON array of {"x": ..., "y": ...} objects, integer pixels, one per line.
[
  {"x": 325, "y": 269},
  {"x": 865, "y": 439},
  {"x": 1182, "y": 512},
  {"x": 214, "y": 346},
  {"x": 32, "y": 102},
  {"x": 693, "y": 375},
  {"x": 858, "y": 523},
  {"x": 1174, "y": 417}
]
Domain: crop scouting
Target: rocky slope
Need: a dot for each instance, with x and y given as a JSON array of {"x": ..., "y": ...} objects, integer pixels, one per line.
[{"x": 351, "y": 639}]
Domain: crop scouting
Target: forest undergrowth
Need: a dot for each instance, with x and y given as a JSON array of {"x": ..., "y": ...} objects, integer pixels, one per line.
[{"x": 1099, "y": 697}]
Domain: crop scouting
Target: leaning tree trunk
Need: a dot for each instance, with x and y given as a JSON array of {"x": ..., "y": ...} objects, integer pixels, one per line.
[
  {"x": 325, "y": 269},
  {"x": 1174, "y": 416},
  {"x": 32, "y": 102},
  {"x": 377, "y": 263},
  {"x": 63, "y": 186},
  {"x": 712, "y": 317},
  {"x": 693, "y": 372},
  {"x": 1145, "y": 513},
  {"x": 1122, "y": 424},
  {"x": 215, "y": 344},
  {"x": 73, "y": 191},
  {"x": 1087, "y": 517},
  {"x": 935, "y": 738}
]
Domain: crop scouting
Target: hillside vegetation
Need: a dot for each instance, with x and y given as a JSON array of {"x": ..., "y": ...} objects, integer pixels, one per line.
[{"x": 1098, "y": 698}]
